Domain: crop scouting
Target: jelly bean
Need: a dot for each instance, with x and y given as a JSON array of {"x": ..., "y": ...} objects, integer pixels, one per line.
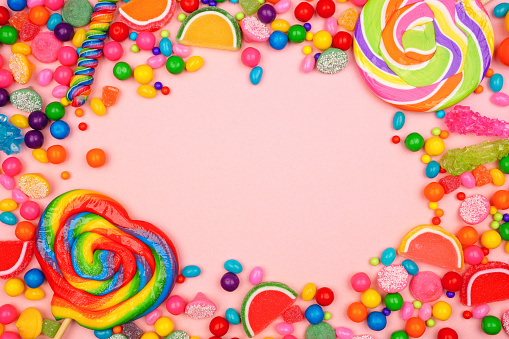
[
  {"x": 467, "y": 179},
  {"x": 20, "y": 121},
  {"x": 398, "y": 121},
  {"x": 284, "y": 328},
  {"x": 79, "y": 37},
  {"x": 331, "y": 25},
  {"x": 282, "y": 6},
  {"x": 410, "y": 266},
  {"x": 8, "y": 205},
  {"x": 496, "y": 82},
  {"x": 181, "y": 50},
  {"x": 156, "y": 61},
  {"x": 97, "y": 106},
  {"x": 191, "y": 271},
  {"x": 232, "y": 316},
  {"x": 255, "y": 76},
  {"x": 407, "y": 310},
  {"x": 8, "y": 218},
  {"x": 501, "y": 10},
  {"x": 33, "y": 3},
  {"x": 256, "y": 275},
  {"x": 280, "y": 24},
  {"x": 18, "y": 196},
  {"x": 40, "y": 155},
  {"x": 34, "y": 293},
  {"x": 6, "y": 181},
  {"x": 500, "y": 99},
  {"x": 497, "y": 176},
  {"x": 432, "y": 169},
  {"x": 344, "y": 333},
  {"x": 194, "y": 63},
  {"x": 480, "y": 311},
  {"x": 175, "y": 305},
  {"x": 425, "y": 311},
  {"x": 60, "y": 91},
  {"x": 45, "y": 76},
  {"x": 165, "y": 47},
  {"x": 388, "y": 256},
  {"x": 308, "y": 292},
  {"x": 21, "y": 47},
  {"x": 307, "y": 64},
  {"x": 53, "y": 21},
  {"x": 147, "y": 91},
  {"x": 103, "y": 334},
  {"x": 152, "y": 317},
  {"x": 233, "y": 266}
]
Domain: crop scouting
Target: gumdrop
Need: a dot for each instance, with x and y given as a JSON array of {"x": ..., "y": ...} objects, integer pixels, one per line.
[
  {"x": 109, "y": 95},
  {"x": 18, "y": 19},
  {"x": 348, "y": 19},
  {"x": 450, "y": 183},
  {"x": 29, "y": 31},
  {"x": 132, "y": 331},
  {"x": 320, "y": 331},
  {"x": 50, "y": 327},
  {"x": 249, "y": 7},
  {"x": 293, "y": 315},
  {"x": 10, "y": 137},
  {"x": 200, "y": 307},
  {"x": 482, "y": 176}
]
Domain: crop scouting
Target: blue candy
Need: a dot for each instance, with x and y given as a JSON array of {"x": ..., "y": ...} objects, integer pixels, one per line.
[
  {"x": 432, "y": 169},
  {"x": 501, "y": 10},
  {"x": 256, "y": 75},
  {"x": 133, "y": 36},
  {"x": 232, "y": 316},
  {"x": 496, "y": 82},
  {"x": 191, "y": 271},
  {"x": 59, "y": 129},
  {"x": 314, "y": 314},
  {"x": 165, "y": 47},
  {"x": 34, "y": 278},
  {"x": 278, "y": 40},
  {"x": 377, "y": 321},
  {"x": 398, "y": 121},
  {"x": 10, "y": 136},
  {"x": 440, "y": 114},
  {"x": 410, "y": 266},
  {"x": 233, "y": 266},
  {"x": 388, "y": 256},
  {"x": 8, "y": 218},
  {"x": 103, "y": 334},
  {"x": 17, "y": 5},
  {"x": 53, "y": 21}
]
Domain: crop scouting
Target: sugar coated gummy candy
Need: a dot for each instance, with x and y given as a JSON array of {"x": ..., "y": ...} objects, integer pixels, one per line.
[
  {"x": 450, "y": 183},
  {"x": 426, "y": 286},
  {"x": 18, "y": 19},
  {"x": 77, "y": 12},
  {"x": 177, "y": 335},
  {"x": 485, "y": 283},
  {"x": 474, "y": 209},
  {"x": 393, "y": 278},
  {"x": 132, "y": 331},
  {"x": 118, "y": 336},
  {"x": 320, "y": 331},
  {"x": 254, "y": 30},
  {"x": 348, "y": 19},
  {"x": 50, "y": 327},
  {"x": 34, "y": 185},
  {"x": 109, "y": 95},
  {"x": 482, "y": 176},
  {"x": 26, "y": 100},
  {"x": 200, "y": 307},
  {"x": 332, "y": 61},
  {"x": 21, "y": 68},
  {"x": 45, "y": 47},
  {"x": 10, "y": 136},
  {"x": 249, "y": 7},
  {"x": 29, "y": 31},
  {"x": 293, "y": 314}
]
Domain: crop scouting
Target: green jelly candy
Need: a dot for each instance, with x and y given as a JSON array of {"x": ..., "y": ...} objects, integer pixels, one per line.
[
  {"x": 77, "y": 12},
  {"x": 249, "y": 7},
  {"x": 177, "y": 335},
  {"x": 122, "y": 70},
  {"x": 503, "y": 165},
  {"x": 297, "y": 34},
  {"x": 504, "y": 231},
  {"x": 8, "y": 35},
  {"x": 50, "y": 327},
  {"x": 26, "y": 100},
  {"x": 491, "y": 325},
  {"x": 399, "y": 335},
  {"x": 393, "y": 301},
  {"x": 320, "y": 331},
  {"x": 331, "y": 61},
  {"x": 55, "y": 111},
  {"x": 175, "y": 64},
  {"x": 414, "y": 142}
]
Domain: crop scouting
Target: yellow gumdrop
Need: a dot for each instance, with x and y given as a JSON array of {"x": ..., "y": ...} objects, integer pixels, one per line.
[
  {"x": 434, "y": 146},
  {"x": 8, "y": 205},
  {"x": 308, "y": 292},
  {"x": 34, "y": 293},
  {"x": 164, "y": 326},
  {"x": 491, "y": 239},
  {"x": 29, "y": 323},
  {"x": 143, "y": 74},
  {"x": 149, "y": 335},
  {"x": 97, "y": 106},
  {"x": 20, "y": 121},
  {"x": 280, "y": 25},
  {"x": 442, "y": 310},
  {"x": 40, "y": 155},
  {"x": 21, "y": 47},
  {"x": 79, "y": 37},
  {"x": 371, "y": 298},
  {"x": 194, "y": 63},
  {"x": 322, "y": 40},
  {"x": 14, "y": 287},
  {"x": 147, "y": 91},
  {"x": 497, "y": 176}
]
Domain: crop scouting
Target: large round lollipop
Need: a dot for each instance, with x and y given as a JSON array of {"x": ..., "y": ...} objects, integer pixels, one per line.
[
  {"x": 423, "y": 55},
  {"x": 104, "y": 268}
]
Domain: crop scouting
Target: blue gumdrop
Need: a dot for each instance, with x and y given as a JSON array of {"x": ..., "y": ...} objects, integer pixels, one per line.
[
  {"x": 432, "y": 169},
  {"x": 398, "y": 120},
  {"x": 501, "y": 10},
  {"x": 34, "y": 278},
  {"x": 17, "y": 5},
  {"x": 53, "y": 21},
  {"x": 388, "y": 256},
  {"x": 10, "y": 137},
  {"x": 496, "y": 82},
  {"x": 233, "y": 266},
  {"x": 314, "y": 314},
  {"x": 8, "y": 218},
  {"x": 165, "y": 47},
  {"x": 377, "y": 321},
  {"x": 103, "y": 334},
  {"x": 256, "y": 75},
  {"x": 278, "y": 40},
  {"x": 232, "y": 316},
  {"x": 191, "y": 271},
  {"x": 410, "y": 266}
]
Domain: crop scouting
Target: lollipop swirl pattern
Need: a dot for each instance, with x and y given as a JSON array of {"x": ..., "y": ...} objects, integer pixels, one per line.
[
  {"x": 423, "y": 55},
  {"x": 92, "y": 50},
  {"x": 104, "y": 268}
]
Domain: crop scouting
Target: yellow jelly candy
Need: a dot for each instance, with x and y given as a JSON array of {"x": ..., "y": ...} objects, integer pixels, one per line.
[
  {"x": 371, "y": 298},
  {"x": 442, "y": 310},
  {"x": 79, "y": 37},
  {"x": 14, "y": 287},
  {"x": 29, "y": 323},
  {"x": 308, "y": 292},
  {"x": 21, "y": 68},
  {"x": 147, "y": 91},
  {"x": 143, "y": 74},
  {"x": 34, "y": 185},
  {"x": 34, "y": 293},
  {"x": 280, "y": 25},
  {"x": 8, "y": 205},
  {"x": 497, "y": 176},
  {"x": 164, "y": 326},
  {"x": 98, "y": 106},
  {"x": 322, "y": 40},
  {"x": 194, "y": 63},
  {"x": 20, "y": 121},
  {"x": 21, "y": 47},
  {"x": 348, "y": 19},
  {"x": 40, "y": 155}
]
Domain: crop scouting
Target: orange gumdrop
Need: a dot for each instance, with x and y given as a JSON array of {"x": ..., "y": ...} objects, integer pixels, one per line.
[
  {"x": 415, "y": 327},
  {"x": 357, "y": 312},
  {"x": 500, "y": 199},
  {"x": 109, "y": 95},
  {"x": 434, "y": 192},
  {"x": 348, "y": 19},
  {"x": 467, "y": 235}
]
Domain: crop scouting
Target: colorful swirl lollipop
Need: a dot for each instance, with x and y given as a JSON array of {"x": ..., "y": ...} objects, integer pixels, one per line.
[
  {"x": 423, "y": 55},
  {"x": 104, "y": 268}
]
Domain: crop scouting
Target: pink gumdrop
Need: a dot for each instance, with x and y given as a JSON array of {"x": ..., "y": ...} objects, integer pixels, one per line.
[
  {"x": 473, "y": 255},
  {"x": 250, "y": 57},
  {"x": 256, "y": 275},
  {"x": 407, "y": 311},
  {"x": 45, "y": 76},
  {"x": 6, "y": 181},
  {"x": 12, "y": 166},
  {"x": 19, "y": 196},
  {"x": 480, "y": 311},
  {"x": 425, "y": 311},
  {"x": 152, "y": 317},
  {"x": 9, "y": 335},
  {"x": 146, "y": 41},
  {"x": 113, "y": 51},
  {"x": 181, "y": 50},
  {"x": 6, "y": 78},
  {"x": 176, "y": 305},
  {"x": 156, "y": 61},
  {"x": 467, "y": 179},
  {"x": 59, "y": 91},
  {"x": 359, "y": 3},
  {"x": 331, "y": 25},
  {"x": 307, "y": 64},
  {"x": 344, "y": 333},
  {"x": 30, "y": 210},
  {"x": 360, "y": 282},
  {"x": 33, "y": 3},
  {"x": 282, "y": 6},
  {"x": 284, "y": 328},
  {"x": 1, "y": 61},
  {"x": 54, "y": 5},
  {"x": 8, "y": 314},
  {"x": 500, "y": 99},
  {"x": 67, "y": 56},
  {"x": 63, "y": 75}
]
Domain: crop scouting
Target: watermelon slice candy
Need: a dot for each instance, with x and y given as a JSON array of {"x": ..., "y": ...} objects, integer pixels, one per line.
[
  {"x": 16, "y": 255},
  {"x": 485, "y": 283}
]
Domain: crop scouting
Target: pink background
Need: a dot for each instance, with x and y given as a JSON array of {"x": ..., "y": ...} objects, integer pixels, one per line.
[{"x": 297, "y": 175}]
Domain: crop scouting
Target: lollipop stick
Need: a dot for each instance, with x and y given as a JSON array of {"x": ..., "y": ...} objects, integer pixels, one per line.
[
  {"x": 63, "y": 327},
  {"x": 484, "y": 2}
]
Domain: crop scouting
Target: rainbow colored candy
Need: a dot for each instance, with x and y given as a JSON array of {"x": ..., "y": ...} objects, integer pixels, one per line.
[
  {"x": 423, "y": 55},
  {"x": 104, "y": 268},
  {"x": 92, "y": 50}
]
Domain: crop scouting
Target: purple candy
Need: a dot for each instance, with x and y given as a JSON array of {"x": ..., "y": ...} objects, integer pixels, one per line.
[
  {"x": 4, "y": 97},
  {"x": 38, "y": 120},
  {"x": 64, "y": 32},
  {"x": 230, "y": 282},
  {"x": 386, "y": 312},
  {"x": 266, "y": 13},
  {"x": 34, "y": 139}
]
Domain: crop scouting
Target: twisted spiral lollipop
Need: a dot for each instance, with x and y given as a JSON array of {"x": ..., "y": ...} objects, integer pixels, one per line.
[
  {"x": 104, "y": 268},
  {"x": 423, "y": 55},
  {"x": 92, "y": 50}
]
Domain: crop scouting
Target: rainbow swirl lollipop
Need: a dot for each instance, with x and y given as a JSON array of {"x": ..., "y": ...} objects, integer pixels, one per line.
[
  {"x": 423, "y": 55},
  {"x": 104, "y": 268}
]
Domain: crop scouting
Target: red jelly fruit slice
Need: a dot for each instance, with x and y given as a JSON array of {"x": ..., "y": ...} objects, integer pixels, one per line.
[
  {"x": 16, "y": 256},
  {"x": 484, "y": 284}
]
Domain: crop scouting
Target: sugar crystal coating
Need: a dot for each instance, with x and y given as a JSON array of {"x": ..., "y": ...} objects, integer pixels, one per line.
[
  {"x": 132, "y": 331},
  {"x": 293, "y": 315},
  {"x": 462, "y": 120},
  {"x": 474, "y": 209},
  {"x": 50, "y": 327},
  {"x": 10, "y": 136},
  {"x": 393, "y": 278},
  {"x": 332, "y": 61},
  {"x": 320, "y": 331}
]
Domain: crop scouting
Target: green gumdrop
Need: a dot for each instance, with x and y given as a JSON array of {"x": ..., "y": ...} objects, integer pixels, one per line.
[
  {"x": 8, "y": 35},
  {"x": 503, "y": 165},
  {"x": 55, "y": 111},
  {"x": 491, "y": 325},
  {"x": 504, "y": 231},
  {"x": 393, "y": 301},
  {"x": 50, "y": 327},
  {"x": 414, "y": 142},
  {"x": 249, "y": 7},
  {"x": 297, "y": 34},
  {"x": 399, "y": 335},
  {"x": 122, "y": 70},
  {"x": 175, "y": 64},
  {"x": 320, "y": 331}
]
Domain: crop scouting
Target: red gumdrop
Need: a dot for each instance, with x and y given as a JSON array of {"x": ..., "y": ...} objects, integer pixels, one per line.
[
  {"x": 452, "y": 281},
  {"x": 219, "y": 326},
  {"x": 29, "y": 31},
  {"x": 447, "y": 333},
  {"x": 304, "y": 11},
  {"x": 342, "y": 40},
  {"x": 324, "y": 296},
  {"x": 325, "y": 8}
]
